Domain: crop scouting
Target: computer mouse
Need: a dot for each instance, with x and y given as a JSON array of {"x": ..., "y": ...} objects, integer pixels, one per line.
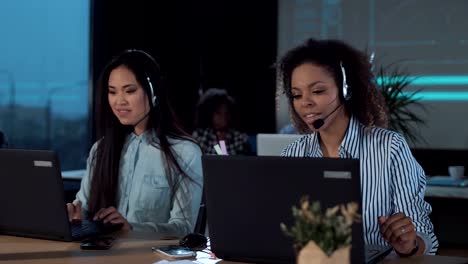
[{"x": 194, "y": 241}]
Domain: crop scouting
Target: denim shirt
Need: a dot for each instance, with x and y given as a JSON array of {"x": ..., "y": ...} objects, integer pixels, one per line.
[{"x": 144, "y": 194}]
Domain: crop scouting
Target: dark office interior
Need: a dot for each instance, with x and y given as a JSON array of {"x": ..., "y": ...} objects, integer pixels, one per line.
[{"x": 234, "y": 45}]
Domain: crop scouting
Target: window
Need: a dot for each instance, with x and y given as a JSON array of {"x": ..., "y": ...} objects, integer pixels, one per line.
[
  {"x": 44, "y": 60},
  {"x": 429, "y": 44}
]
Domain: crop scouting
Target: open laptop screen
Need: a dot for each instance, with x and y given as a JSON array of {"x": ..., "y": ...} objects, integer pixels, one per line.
[{"x": 31, "y": 195}]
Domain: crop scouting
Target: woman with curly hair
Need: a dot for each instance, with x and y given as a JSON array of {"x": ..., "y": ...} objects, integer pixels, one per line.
[{"x": 334, "y": 100}]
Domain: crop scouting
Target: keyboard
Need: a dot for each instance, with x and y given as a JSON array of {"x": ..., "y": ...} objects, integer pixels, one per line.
[{"x": 88, "y": 228}]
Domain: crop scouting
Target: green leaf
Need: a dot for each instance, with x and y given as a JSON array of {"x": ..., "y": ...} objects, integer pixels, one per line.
[{"x": 393, "y": 86}]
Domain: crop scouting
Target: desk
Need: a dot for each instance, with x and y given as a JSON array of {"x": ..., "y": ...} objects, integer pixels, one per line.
[
  {"x": 449, "y": 214},
  {"x": 447, "y": 192},
  {"x": 132, "y": 247},
  {"x": 426, "y": 260}
]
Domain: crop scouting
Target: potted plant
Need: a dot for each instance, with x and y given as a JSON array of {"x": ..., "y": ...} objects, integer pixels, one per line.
[
  {"x": 393, "y": 85},
  {"x": 322, "y": 237}
]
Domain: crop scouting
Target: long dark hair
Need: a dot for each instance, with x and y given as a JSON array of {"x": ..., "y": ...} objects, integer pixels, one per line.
[
  {"x": 366, "y": 104},
  {"x": 111, "y": 133}
]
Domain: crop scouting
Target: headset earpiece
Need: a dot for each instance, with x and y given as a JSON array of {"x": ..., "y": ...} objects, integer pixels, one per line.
[
  {"x": 346, "y": 90},
  {"x": 153, "y": 96}
]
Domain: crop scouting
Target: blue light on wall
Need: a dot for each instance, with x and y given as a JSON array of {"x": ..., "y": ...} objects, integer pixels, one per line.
[
  {"x": 433, "y": 80},
  {"x": 440, "y": 80},
  {"x": 440, "y": 96},
  {"x": 436, "y": 80}
]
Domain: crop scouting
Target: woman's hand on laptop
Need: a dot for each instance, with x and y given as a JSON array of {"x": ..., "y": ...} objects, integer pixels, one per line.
[
  {"x": 111, "y": 215},
  {"x": 74, "y": 211},
  {"x": 399, "y": 231}
]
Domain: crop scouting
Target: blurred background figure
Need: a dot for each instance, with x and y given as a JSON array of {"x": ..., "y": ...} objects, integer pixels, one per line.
[{"x": 216, "y": 120}]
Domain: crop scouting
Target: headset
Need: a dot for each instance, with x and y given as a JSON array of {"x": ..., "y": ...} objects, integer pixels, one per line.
[
  {"x": 346, "y": 89},
  {"x": 153, "y": 100},
  {"x": 317, "y": 124},
  {"x": 153, "y": 96}
]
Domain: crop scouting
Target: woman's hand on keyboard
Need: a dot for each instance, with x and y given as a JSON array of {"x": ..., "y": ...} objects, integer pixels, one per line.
[
  {"x": 111, "y": 215},
  {"x": 74, "y": 211}
]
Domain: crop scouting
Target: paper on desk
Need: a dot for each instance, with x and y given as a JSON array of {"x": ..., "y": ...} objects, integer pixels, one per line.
[
  {"x": 174, "y": 262},
  {"x": 207, "y": 261},
  {"x": 206, "y": 258},
  {"x": 202, "y": 258},
  {"x": 198, "y": 261}
]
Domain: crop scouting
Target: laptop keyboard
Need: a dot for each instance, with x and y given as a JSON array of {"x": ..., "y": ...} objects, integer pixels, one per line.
[{"x": 87, "y": 228}]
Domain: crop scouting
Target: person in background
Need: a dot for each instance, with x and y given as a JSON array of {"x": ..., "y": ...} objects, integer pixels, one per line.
[
  {"x": 334, "y": 99},
  {"x": 144, "y": 172},
  {"x": 215, "y": 121}
]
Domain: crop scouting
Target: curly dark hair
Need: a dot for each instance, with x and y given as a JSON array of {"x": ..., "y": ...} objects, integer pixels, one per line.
[
  {"x": 367, "y": 104},
  {"x": 209, "y": 102}
]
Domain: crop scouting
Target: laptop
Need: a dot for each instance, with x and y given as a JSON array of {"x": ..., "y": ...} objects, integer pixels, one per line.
[
  {"x": 32, "y": 199},
  {"x": 248, "y": 197},
  {"x": 274, "y": 144}
]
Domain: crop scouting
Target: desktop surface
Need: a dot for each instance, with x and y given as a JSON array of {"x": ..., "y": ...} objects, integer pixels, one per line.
[
  {"x": 130, "y": 247},
  {"x": 447, "y": 181}
]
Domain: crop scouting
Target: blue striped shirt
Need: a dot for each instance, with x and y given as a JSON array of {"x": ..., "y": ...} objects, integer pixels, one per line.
[{"x": 391, "y": 179}]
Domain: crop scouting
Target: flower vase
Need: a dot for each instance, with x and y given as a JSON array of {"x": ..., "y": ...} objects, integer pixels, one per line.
[{"x": 313, "y": 254}]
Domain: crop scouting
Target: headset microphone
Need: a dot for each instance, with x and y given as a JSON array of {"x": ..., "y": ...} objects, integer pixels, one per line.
[
  {"x": 153, "y": 101},
  {"x": 317, "y": 124},
  {"x": 141, "y": 119}
]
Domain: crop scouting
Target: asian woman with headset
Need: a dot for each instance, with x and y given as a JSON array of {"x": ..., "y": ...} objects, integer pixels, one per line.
[{"x": 144, "y": 172}]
